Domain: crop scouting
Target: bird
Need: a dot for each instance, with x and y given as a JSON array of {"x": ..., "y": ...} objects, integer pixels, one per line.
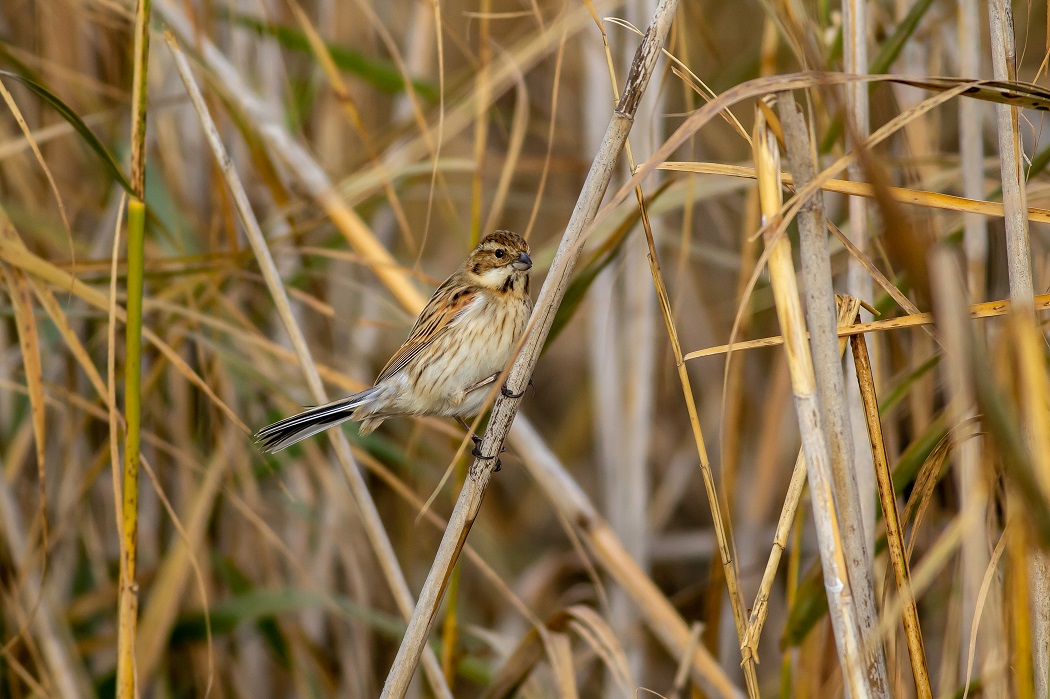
[{"x": 457, "y": 347}]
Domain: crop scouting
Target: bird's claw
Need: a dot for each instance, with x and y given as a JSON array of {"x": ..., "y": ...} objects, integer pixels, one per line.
[
  {"x": 508, "y": 394},
  {"x": 476, "y": 453}
]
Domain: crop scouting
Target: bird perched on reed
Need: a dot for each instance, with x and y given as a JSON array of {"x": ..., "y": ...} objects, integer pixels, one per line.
[{"x": 457, "y": 347}]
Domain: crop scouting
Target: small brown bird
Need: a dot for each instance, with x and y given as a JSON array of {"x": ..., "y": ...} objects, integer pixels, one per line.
[{"x": 458, "y": 346}]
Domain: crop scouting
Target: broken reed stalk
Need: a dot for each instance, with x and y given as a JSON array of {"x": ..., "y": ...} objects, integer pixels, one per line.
[
  {"x": 127, "y": 605},
  {"x": 848, "y": 308},
  {"x": 854, "y": 480},
  {"x": 554, "y": 287},
  {"x": 841, "y": 605},
  {"x": 827, "y": 366},
  {"x": 891, "y": 518},
  {"x": 369, "y": 514}
]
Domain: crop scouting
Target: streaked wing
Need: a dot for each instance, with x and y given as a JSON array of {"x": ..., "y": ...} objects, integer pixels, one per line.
[{"x": 447, "y": 304}]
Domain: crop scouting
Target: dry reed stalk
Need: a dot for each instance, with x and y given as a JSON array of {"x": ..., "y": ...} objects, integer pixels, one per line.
[
  {"x": 848, "y": 308},
  {"x": 469, "y": 502},
  {"x": 891, "y": 518},
  {"x": 848, "y": 636},
  {"x": 1019, "y": 265},
  {"x": 370, "y": 519},
  {"x": 621, "y": 347},
  {"x": 1011, "y": 155},
  {"x": 854, "y": 475},
  {"x": 754, "y": 508},
  {"x": 846, "y": 464},
  {"x": 989, "y": 309},
  {"x": 723, "y": 533},
  {"x": 621, "y": 356}
]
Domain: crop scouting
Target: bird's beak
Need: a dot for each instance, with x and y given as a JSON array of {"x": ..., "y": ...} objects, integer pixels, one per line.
[{"x": 523, "y": 262}]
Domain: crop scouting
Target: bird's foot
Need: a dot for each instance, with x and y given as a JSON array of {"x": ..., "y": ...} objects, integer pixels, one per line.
[
  {"x": 508, "y": 394},
  {"x": 476, "y": 453}
]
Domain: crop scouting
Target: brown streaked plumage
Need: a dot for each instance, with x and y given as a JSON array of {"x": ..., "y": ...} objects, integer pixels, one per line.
[{"x": 456, "y": 349}]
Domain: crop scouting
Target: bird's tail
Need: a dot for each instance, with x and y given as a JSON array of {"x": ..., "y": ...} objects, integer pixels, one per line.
[{"x": 286, "y": 432}]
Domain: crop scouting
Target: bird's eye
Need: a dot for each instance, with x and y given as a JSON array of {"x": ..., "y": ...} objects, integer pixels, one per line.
[{"x": 500, "y": 253}]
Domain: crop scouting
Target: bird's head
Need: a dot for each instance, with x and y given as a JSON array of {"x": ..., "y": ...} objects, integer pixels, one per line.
[{"x": 501, "y": 262}]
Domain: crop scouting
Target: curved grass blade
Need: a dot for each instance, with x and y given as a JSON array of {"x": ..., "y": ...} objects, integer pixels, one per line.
[{"x": 74, "y": 120}]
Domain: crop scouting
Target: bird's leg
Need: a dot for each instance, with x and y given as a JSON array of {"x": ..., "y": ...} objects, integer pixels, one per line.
[
  {"x": 473, "y": 437},
  {"x": 476, "y": 451}
]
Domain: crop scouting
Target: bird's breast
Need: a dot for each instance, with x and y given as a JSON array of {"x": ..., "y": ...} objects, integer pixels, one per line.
[{"x": 478, "y": 345}]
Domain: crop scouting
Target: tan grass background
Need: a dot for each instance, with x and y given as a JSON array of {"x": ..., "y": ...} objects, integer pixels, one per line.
[{"x": 374, "y": 144}]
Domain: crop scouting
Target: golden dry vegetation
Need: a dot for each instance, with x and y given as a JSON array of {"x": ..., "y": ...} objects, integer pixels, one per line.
[{"x": 212, "y": 213}]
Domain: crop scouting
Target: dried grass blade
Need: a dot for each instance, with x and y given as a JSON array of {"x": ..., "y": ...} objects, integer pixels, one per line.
[
  {"x": 29, "y": 343},
  {"x": 723, "y": 532},
  {"x": 988, "y": 309},
  {"x": 18, "y": 256},
  {"x": 903, "y": 195},
  {"x": 593, "y": 629},
  {"x": 559, "y": 650},
  {"x": 894, "y": 533}
]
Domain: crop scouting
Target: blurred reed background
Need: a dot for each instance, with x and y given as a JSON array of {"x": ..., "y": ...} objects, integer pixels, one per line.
[{"x": 375, "y": 143}]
